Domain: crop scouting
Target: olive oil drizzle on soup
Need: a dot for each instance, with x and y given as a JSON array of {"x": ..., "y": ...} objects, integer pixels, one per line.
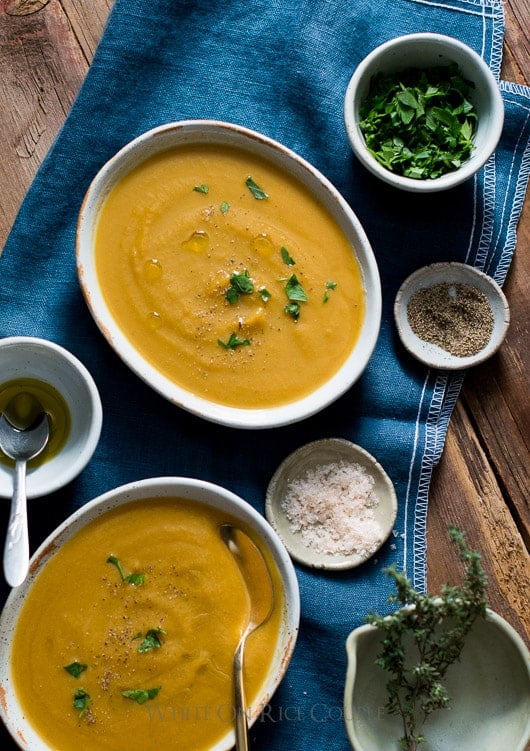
[
  {"x": 172, "y": 234},
  {"x": 160, "y": 623}
]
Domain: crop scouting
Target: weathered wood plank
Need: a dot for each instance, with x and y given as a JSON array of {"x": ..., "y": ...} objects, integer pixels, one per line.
[
  {"x": 88, "y": 21},
  {"x": 42, "y": 69},
  {"x": 465, "y": 492},
  {"x": 517, "y": 41}
]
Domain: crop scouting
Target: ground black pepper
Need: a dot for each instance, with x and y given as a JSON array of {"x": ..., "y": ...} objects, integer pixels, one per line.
[{"x": 455, "y": 316}]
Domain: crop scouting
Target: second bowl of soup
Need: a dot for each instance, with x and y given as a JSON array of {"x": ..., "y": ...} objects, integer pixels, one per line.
[
  {"x": 123, "y": 636},
  {"x": 228, "y": 273}
]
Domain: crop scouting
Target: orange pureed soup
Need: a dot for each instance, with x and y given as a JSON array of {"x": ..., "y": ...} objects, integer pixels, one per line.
[
  {"x": 228, "y": 276},
  {"x": 126, "y": 639}
]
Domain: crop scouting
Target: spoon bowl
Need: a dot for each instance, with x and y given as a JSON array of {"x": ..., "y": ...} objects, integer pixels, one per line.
[
  {"x": 257, "y": 578},
  {"x": 21, "y": 444}
]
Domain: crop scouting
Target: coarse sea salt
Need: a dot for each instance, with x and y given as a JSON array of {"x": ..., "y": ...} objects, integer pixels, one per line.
[{"x": 332, "y": 508}]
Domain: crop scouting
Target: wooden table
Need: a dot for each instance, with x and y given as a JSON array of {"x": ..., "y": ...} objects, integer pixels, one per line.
[{"x": 482, "y": 481}]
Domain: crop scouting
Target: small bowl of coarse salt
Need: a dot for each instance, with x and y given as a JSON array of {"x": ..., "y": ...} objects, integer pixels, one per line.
[
  {"x": 332, "y": 504},
  {"x": 451, "y": 315}
]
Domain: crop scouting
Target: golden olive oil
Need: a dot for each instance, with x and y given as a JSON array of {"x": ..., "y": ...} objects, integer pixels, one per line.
[{"x": 52, "y": 403}]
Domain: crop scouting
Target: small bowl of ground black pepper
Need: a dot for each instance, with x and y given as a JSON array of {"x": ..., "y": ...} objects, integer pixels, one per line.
[
  {"x": 332, "y": 504},
  {"x": 451, "y": 316},
  {"x": 423, "y": 112}
]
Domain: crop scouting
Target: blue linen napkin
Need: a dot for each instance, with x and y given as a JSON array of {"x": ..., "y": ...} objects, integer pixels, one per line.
[{"x": 280, "y": 67}]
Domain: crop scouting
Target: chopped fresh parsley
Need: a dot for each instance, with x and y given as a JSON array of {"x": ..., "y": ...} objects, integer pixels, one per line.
[
  {"x": 240, "y": 284},
  {"x": 81, "y": 700},
  {"x": 225, "y": 207},
  {"x": 329, "y": 285},
  {"x": 293, "y": 309},
  {"x": 286, "y": 256},
  {"x": 137, "y": 580},
  {"x": 294, "y": 290},
  {"x": 264, "y": 294},
  {"x": 75, "y": 668},
  {"x": 256, "y": 191},
  {"x": 151, "y": 640},
  {"x": 419, "y": 123},
  {"x": 233, "y": 342},
  {"x": 141, "y": 695},
  {"x": 201, "y": 189},
  {"x": 296, "y": 294}
]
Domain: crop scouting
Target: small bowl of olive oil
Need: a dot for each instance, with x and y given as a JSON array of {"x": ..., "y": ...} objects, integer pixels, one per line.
[{"x": 61, "y": 384}]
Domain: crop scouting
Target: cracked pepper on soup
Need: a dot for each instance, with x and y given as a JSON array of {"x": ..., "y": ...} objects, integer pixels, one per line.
[
  {"x": 228, "y": 276},
  {"x": 126, "y": 639}
]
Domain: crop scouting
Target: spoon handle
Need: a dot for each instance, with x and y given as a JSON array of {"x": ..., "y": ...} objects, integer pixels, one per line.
[
  {"x": 240, "y": 701},
  {"x": 16, "y": 551}
]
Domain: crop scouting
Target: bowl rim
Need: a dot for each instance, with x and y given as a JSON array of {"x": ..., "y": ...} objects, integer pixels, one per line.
[
  {"x": 178, "y": 487},
  {"x": 269, "y": 148},
  {"x": 352, "y": 643},
  {"x": 36, "y": 485},
  {"x": 472, "y": 165}
]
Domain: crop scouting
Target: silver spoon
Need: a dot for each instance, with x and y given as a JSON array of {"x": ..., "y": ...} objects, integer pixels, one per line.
[
  {"x": 257, "y": 580},
  {"x": 21, "y": 444}
]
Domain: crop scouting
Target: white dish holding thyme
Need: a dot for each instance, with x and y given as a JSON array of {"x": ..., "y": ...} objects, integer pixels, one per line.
[
  {"x": 490, "y": 690},
  {"x": 423, "y": 52},
  {"x": 451, "y": 315},
  {"x": 464, "y": 682}
]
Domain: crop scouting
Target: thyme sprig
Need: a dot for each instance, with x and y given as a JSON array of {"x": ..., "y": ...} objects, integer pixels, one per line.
[{"x": 424, "y": 637}]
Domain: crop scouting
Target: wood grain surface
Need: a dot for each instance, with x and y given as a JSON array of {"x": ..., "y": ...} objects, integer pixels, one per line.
[{"x": 482, "y": 481}]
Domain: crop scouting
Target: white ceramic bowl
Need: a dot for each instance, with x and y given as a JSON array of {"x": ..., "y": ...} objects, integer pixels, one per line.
[
  {"x": 208, "y": 132},
  {"x": 202, "y": 492},
  {"x": 452, "y": 273},
  {"x": 308, "y": 458},
  {"x": 424, "y": 50},
  {"x": 489, "y": 689},
  {"x": 43, "y": 360}
]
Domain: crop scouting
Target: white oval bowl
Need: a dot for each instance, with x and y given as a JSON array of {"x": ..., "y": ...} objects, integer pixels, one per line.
[
  {"x": 161, "y": 487},
  {"x": 166, "y": 137},
  {"x": 489, "y": 689},
  {"x": 43, "y": 360},
  {"x": 424, "y": 50}
]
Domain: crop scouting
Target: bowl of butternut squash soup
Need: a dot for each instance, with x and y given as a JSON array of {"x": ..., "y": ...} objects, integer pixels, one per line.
[
  {"x": 228, "y": 273},
  {"x": 123, "y": 636}
]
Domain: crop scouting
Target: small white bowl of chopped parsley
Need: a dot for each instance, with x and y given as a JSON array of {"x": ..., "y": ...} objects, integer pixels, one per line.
[{"x": 423, "y": 112}]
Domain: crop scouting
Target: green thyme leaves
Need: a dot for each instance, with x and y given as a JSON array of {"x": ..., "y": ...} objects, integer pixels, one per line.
[
  {"x": 255, "y": 189},
  {"x": 141, "y": 695},
  {"x": 423, "y": 638},
  {"x": 419, "y": 123},
  {"x": 137, "y": 580}
]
